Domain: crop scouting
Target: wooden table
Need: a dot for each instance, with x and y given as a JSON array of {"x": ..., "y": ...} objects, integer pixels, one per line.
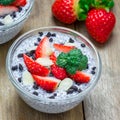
[{"x": 103, "y": 103}]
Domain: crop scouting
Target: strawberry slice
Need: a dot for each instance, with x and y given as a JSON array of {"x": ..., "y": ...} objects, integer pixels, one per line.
[
  {"x": 43, "y": 49},
  {"x": 63, "y": 48},
  {"x": 34, "y": 67},
  {"x": 58, "y": 72},
  {"x": 47, "y": 83},
  {"x": 7, "y": 9},
  {"x": 19, "y": 2},
  {"x": 53, "y": 57},
  {"x": 80, "y": 77}
]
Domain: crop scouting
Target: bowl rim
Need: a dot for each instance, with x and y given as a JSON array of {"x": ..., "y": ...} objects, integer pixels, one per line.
[
  {"x": 25, "y": 15},
  {"x": 28, "y": 94}
]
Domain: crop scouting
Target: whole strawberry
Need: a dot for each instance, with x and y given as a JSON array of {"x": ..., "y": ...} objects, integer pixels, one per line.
[
  {"x": 68, "y": 11},
  {"x": 100, "y": 24}
]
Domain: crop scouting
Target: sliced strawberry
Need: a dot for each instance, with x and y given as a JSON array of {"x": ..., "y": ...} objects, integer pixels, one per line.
[
  {"x": 63, "y": 48},
  {"x": 53, "y": 57},
  {"x": 80, "y": 77},
  {"x": 58, "y": 72},
  {"x": 19, "y": 2},
  {"x": 47, "y": 83},
  {"x": 7, "y": 9},
  {"x": 34, "y": 67},
  {"x": 43, "y": 49}
]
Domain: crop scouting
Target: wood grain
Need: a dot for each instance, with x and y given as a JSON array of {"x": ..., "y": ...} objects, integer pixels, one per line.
[{"x": 101, "y": 104}]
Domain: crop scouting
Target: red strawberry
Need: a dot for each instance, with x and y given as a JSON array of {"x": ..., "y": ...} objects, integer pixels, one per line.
[
  {"x": 19, "y": 2},
  {"x": 80, "y": 77},
  {"x": 53, "y": 57},
  {"x": 58, "y": 72},
  {"x": 34, "y": 67},
  {"x": 47, "y": 83},
  {"x": 7, "y": 9},
  {"x": 64, "y": 10},
  {"x": 63, "y": 48},
  {"x": 100, "y": 24},
  {"x": 43, "y": 49}
]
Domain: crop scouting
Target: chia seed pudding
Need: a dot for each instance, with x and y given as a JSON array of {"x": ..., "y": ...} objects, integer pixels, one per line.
[
  {"x": 12, "y": 19},
  {"x": 58, "y": 100}
]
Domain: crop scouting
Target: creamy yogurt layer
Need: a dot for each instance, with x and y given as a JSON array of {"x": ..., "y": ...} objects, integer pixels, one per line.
[{"x": 28, "y": 47}]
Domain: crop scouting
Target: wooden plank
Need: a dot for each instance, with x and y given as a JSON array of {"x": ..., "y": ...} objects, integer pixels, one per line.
[
  {"x": 11, "y": 105},
  {"x": 103, "y": 103}
]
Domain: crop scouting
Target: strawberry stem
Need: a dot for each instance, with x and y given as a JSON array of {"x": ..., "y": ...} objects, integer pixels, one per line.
[{"x": 83, "y": 6}]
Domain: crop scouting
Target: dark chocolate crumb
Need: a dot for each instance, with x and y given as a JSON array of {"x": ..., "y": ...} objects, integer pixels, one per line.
[
  {"x": 93, "y": 72},
  {"x": 53, "y": 35},
  {"x": 28, "y": 54},
  {"x": 38, "y": 39},
  {"x": 50, "y": 74},
  {"x": 13, "y": 15},
  {"x": 35, "y": 93},
  {"x": 74, "y": 88},
  {"x": 78, "y": 83},
  {"x": 48, "y": 34},
  {"x": 35, "y": 86},
  {"x": 52, "y": 97},
  {"x": 93, "y": 68},
  {"x": 19, "y": 9},
  {"x": 48, "y": 91},
  {"x": 20, "y": 55},
  {"x": 14, "y": 67},
  {"x": 32, "y": 52},
  {"x": 20, "y": 79},
  {"x": 1, "y": 24},
  {"x": 40, "y": 33},
  {"x": 70, "y": 91},
  {"x": 51, "y": 40},
  {"x": 55, "y": 94},
  {"x": 33, "y": 57},
  {"x": 71, "y": 40},
  {"x": 79, "y": 90},
  {"x": 87, "y": 66},
  {"x": 83, "y": 45},
  {"x": 20, "y": 67},
  {"x": 36, "y": 44}
]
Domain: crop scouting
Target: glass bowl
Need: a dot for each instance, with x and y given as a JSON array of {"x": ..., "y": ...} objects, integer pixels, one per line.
[
  {"x": 7, "y": 32},
  {"x": 52, "y": 105}
]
